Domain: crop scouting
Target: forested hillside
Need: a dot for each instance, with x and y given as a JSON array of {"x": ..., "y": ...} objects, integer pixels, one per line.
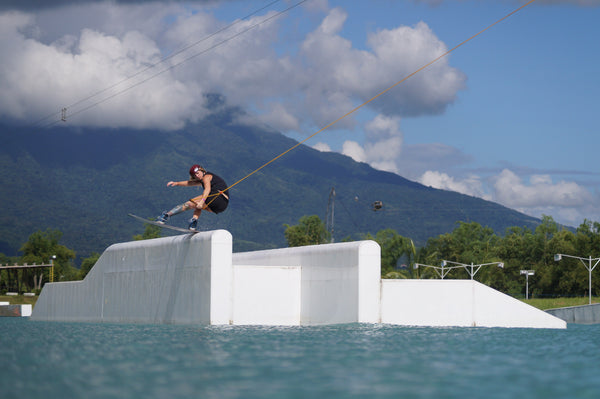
[{"x": 84, "y": 182}]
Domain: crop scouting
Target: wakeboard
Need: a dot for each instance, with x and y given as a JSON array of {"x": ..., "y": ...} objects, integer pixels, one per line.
[{"x": 166, "y": 226}]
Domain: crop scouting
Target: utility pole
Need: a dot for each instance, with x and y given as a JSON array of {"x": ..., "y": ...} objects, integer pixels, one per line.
[{"x": 330, "y": 212}]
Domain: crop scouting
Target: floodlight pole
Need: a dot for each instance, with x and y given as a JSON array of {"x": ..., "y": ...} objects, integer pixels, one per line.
[
  {"x": 52, "y": 268},
  {"x": 527, "y": 273},
  {"x": 442, "y": 271},
  {"x": 472, "y": 269},
  {"x": 588, "y": 266},
  {"x": 330, "y": 213}
]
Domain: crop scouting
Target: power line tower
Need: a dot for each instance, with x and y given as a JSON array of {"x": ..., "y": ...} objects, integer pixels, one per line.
[{"x": 330, "y": 212}]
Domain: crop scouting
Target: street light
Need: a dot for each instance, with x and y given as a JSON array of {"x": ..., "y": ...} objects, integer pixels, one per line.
[
  {"x": 444, "y": 269},
  {"x": 472, "y": 269},
  {"x": 52, "y": 268},
  {"x": 527, "y": 273},
  {"x": 441, "y": 271},
  {"x": 588, "y": 266}
]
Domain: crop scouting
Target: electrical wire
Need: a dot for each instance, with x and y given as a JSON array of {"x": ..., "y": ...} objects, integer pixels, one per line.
[{"x": 182, "y": 50}]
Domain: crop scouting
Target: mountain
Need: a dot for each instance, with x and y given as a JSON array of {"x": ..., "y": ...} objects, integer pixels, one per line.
[{"x": 84, "y": 182}]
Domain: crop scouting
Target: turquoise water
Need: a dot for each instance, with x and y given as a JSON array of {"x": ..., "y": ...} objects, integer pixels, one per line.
[{"x": 81, "y": 360}]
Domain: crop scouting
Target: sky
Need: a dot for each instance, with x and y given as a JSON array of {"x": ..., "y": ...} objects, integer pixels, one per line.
[{"x": 509, "y": 115}]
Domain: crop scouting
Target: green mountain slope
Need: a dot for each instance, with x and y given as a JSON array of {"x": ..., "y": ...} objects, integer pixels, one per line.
[{"x": 84, "y": 182}]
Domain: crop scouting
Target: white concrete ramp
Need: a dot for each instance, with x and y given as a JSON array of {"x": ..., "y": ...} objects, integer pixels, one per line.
[
  {"x": 196, "y": 279},
  {"x": 182, "y": 279},
  {"x": 461, "y": 303}
]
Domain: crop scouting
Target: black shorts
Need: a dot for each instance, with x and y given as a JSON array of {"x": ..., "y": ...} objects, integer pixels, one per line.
[{"x": 219, "y": 204}]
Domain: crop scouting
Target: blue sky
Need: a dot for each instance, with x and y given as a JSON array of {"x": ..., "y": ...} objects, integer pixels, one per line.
[{"x": 509, "y": 116}]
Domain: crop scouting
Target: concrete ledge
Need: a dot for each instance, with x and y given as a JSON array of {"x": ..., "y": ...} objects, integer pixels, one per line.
[{"x": 585, "y": 314}]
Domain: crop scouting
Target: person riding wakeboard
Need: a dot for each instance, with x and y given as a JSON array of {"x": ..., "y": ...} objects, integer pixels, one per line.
[{"x": 214, "y": 198}]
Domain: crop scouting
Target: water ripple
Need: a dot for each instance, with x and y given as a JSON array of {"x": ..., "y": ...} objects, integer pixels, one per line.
[{"x": 88, "y": 360}]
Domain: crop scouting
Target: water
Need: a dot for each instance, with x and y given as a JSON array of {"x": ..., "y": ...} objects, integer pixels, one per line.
[{"x": 81, "y": 360}]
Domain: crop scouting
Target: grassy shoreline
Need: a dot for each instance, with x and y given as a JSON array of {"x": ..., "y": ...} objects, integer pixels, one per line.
[
  {"x": 540, "y": 303},
  {"x": 19, "y": 299},
  {"x": 553, "y": 303}
]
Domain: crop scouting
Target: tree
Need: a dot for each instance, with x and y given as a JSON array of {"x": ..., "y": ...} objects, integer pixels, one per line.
[
  {"x": 87, "y": 264},
  {"x": 151, "y": 231},
  {"x": 544, "y": 233},
  {"x": 467, "y": 243},
  {"x": 43, "y": 246},
  {"x": 310, "y": 230},
  {"x": 587, "y": 239},
  {"x": 395, "y": 249},
  {"x": 5, "y": 275},
  {"x": 570, "y": 277},
  {"x": 515, "y": 251},
  {"x": 587, "y": 242}
]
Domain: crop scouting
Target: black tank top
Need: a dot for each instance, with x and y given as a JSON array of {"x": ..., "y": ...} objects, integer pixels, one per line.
[{"x": 217, "y": 184}]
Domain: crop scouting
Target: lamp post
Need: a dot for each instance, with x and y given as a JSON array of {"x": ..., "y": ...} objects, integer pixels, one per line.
[
  {"x": 527, "y": 273},
  {"x": 472, "y": 269},
  {"x": 330, "y": 212},
  {"x": 588, "y": 266},
  {"x": 442, "y": 271},
  {"x": 52, "y": 268}
]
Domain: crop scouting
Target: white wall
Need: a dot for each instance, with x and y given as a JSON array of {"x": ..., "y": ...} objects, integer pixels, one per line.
[
  {"x": 266, "y": 295},
  {"x": 339, "y": 283}
]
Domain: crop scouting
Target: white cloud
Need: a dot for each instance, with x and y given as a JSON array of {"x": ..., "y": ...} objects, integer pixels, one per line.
[
  {"x": 342, "y": 73},
  {"x": 566, "y": 202},
  {"x": 383, "y": 146},
  {"x": 354, "y": 151},
  {"x": 510, "y": 190},
  {"x": 277, "y": 115},
  {"x": 472, "y": 185},
  {"x": 402, "y": 51},
  {"x": 382, "y": 154},
  {"x": 36, "y": 78},
  {"x": 384, "y": 149},
  {"x": 323, "y": 147},
  {"x": 383, "y": 127},
  {"x": 316, "y": 82},
  {"x": 416, "y": 159}
]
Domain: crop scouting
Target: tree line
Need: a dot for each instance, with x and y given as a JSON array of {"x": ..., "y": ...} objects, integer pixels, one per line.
[
  {"x": 39, "y": 249},
  {"x": 520, "y": 248}
]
